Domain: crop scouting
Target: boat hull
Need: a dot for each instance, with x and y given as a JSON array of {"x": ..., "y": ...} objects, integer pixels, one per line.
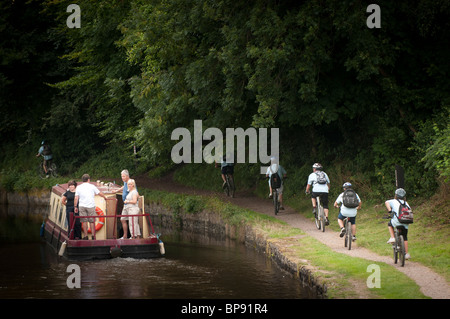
[{"x": 100, "y": 249}]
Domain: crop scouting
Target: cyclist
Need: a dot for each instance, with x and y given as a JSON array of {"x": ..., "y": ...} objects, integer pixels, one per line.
[
  {"x": 393, "y": 206},
  {"x": 226, "y": 168},
  {"x": 320, "y": 184},
  {"x": 345, "y": 211},
  {"x": 275, "y": 167},
  {"x": 46, "y": 152}
]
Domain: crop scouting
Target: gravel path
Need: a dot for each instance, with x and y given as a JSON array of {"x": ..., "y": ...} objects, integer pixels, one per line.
[{"x": 431, "y": 284}]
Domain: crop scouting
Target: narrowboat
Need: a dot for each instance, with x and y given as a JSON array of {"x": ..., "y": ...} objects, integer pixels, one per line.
[{"x": 58, "y": 233}]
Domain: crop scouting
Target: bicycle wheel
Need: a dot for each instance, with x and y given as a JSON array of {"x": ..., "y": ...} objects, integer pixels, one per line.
[
  {"x": 349, "y": 235},
  {"x": 316, "y": 214},
  {"x": 53, "y": 170},
  {"x": 401, "y": 251},
  {"x": 231, "y": 184},
  {"x": 346, "y": 231},
  {"x": 322, "y": 218},
  {"x": 276, "y": 205},
  {"x": 41, "y": 171},
  {"x": 227, "y": 186},
  {"x": 395, "y": 248}
]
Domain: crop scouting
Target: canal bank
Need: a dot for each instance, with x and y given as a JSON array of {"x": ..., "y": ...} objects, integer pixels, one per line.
[
  {"x": 204, "y": 222},
  {"x": 211, "y": 224}
]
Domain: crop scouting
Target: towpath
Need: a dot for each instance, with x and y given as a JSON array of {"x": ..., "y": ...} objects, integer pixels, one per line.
[{"x": 431, "y": 284}]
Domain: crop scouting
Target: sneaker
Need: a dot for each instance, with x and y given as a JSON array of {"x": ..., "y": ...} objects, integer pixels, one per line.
[
  {"x": 353, "y": 238},
  {"x": 282, "y": 207},
  {"x": 270, "y": 195},
  {"x": 342, "y": 233},
  {"x": 391, "y": 240},
  {"x": 327, "y": 222},
  {"x": 407, "y": 256}
]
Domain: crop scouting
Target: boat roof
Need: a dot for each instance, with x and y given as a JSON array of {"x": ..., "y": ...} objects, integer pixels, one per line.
[{"x": 60, "y": 189}]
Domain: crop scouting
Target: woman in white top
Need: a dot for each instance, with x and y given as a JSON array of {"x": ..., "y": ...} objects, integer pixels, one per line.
[{"x": 131, "y": 207}]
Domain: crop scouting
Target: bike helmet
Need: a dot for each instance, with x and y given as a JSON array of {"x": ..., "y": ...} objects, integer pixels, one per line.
[
  {"x": 317, "y": 166},
  {"x": 346, "y": 185},
  {"x": 400, "y": 192}
]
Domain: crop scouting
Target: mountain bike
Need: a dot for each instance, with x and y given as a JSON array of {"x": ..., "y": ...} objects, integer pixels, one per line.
[
  {"x": 319, "y": 215},
  {"x": 229, "y": 188},
  {"x": 398, "y": 247},
  {"x": 348, "y": 236},
  {"x": 52, "y": 170}
]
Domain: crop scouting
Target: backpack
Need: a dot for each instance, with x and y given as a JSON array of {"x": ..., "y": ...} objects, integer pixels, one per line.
[
  {"x": 275, "y": 180},
  {"x": 405, "y": 214},
  {"x": 349, "y": 199},
  {"x": 321, "y": 178},
  {"x": 47, "y": 150}
]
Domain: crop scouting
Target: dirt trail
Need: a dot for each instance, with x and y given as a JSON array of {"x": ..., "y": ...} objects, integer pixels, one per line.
[{"x": 431, "y": 284}]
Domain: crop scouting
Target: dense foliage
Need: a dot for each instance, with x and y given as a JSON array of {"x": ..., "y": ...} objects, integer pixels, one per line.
[{"x": 357, "y": 99}]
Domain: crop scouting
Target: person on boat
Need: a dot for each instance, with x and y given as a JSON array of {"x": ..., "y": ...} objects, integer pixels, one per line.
[
  {"x": 124, "y": 189},
  {"x": 67, "y": 200},
  {"x": 85, "y": 199},
  {"x": 131, "y": 207}
]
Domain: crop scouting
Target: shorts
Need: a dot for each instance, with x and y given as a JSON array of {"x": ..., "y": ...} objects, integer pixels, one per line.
[
  {"x": 351, "y": 219},
  {"x": 323, "y": 198},
  {"x": 129, "y": 210},
  {"x": 401, "y": 231},
  {"x": 227, "y": 170},
  {"x": 87, "y": 211}
]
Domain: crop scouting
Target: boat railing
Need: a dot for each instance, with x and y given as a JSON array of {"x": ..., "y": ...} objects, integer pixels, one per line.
[{"x": 72, "y": 219}]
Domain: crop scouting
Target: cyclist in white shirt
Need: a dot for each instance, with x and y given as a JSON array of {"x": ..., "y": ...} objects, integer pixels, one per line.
[
  {"x": 345, "y": 211},
  {"x": 320, "y": 183}
]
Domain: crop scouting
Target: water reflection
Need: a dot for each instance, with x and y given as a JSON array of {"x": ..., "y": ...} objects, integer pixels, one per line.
[{"x": 194, "y": 267}]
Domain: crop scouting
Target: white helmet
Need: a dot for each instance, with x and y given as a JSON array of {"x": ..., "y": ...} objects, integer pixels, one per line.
[
  {"x": 317, "y": 166},
  {"x": 400, "y": 192}
]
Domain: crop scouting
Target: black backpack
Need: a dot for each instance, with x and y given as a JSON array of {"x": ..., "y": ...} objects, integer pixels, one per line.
[
  {"x": 47, "y": 150},
  {"x": 349, "y": 198},
  {"x": 275, "y": 181}
]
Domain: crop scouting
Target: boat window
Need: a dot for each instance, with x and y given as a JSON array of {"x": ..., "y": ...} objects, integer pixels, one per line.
[
  {"x": 60, "y": 209},
  {"x": 54, "y": 207}
]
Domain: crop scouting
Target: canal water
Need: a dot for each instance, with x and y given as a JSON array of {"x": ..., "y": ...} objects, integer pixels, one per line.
[{"x": 195, "y": 267}]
